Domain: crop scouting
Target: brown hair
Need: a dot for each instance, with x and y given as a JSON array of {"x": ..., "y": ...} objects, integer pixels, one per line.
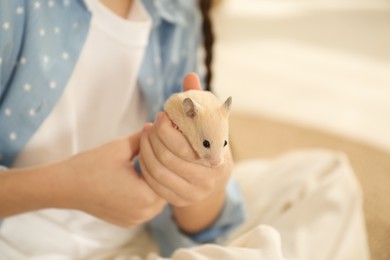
[{"x": 208, "y": 39}]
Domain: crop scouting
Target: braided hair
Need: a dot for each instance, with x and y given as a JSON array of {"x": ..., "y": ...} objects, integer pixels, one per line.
[{"x": 208, "y": 39}]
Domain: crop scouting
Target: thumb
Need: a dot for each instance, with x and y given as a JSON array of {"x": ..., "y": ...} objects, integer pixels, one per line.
[
  {"x": 134, "y": 144},
  {"x": 191, "y": 81}
]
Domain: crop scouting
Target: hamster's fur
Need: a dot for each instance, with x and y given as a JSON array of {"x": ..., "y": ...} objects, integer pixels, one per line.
[{"x": 203, "y": 119}]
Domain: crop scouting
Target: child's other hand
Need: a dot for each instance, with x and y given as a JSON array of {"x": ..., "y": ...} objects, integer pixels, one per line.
[{"x": 107, "y": 185}]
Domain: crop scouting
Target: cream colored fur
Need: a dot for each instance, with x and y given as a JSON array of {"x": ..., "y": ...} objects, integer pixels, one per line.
[{"x": 210, "y": 123}]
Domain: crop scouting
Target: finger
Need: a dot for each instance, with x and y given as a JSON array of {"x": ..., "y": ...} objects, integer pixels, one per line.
[
  {"x": 173, "y": 139},
  {"x": 195, "y": 174},
  {"x": 191, "y": 81},
  {"x": 161, "y": 190},
  {"x": 134, "y": 143},
  {"x": 156, "y": 174},
  {"x": 199, "y": 181}
]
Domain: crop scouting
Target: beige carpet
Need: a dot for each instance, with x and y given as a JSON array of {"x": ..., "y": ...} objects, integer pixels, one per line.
[{"x": 254, "y": 136}]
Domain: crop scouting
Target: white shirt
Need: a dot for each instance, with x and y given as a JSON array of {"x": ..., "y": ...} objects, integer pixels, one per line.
[{"x": 101, "y": 102}]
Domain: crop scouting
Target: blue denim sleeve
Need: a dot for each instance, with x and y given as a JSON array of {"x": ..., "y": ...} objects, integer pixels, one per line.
[{"x": 169, "y": 237}]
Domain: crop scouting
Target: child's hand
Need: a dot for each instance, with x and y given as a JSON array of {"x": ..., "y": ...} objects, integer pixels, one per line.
[
  {"x": 168, "y": 165},
  {"x": 197, "y": 192},
  {"x": 107, "y": 186},
  {"x": 101, "y": 182}
]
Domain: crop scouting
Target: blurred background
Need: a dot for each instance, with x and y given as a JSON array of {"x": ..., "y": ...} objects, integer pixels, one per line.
[
  {"x": 312, "y": 73},
  {"x": 323, "y": 63}
]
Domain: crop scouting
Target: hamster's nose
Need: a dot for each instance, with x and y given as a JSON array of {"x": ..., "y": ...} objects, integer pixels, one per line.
[{"x": 214, "y": 162}]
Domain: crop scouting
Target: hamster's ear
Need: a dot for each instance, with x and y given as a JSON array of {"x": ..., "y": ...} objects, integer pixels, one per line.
[
  {"x": 190, "y": 107},
  {"x": 227, "y": 105}
]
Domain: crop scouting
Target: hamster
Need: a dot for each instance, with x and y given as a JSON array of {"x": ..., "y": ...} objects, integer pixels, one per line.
[{"x": 203, "y": 119}]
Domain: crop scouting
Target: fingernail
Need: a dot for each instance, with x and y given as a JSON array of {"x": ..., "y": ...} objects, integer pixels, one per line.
[{"x": 147, "y": 127}]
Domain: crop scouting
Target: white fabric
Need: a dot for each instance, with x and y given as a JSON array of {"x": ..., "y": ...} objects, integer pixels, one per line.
[
  {"x": 302, "y": 205},
  {"x": 100, "y": 103},
  {"x": 312, "y": 198}
]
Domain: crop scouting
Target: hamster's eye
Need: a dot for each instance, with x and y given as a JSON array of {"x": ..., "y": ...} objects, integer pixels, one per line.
[
  {"x": 225, "y": 143},
  {"x": 206, "y": 144}
]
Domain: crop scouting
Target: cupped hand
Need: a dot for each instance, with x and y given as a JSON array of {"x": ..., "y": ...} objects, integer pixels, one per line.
[
  {"x": 170, "y": 164},
  {"x": 107, "y": 185},
  {"x": 171, "y": 168}
]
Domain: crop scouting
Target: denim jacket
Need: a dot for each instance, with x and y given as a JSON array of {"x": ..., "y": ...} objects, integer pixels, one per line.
[{"x": 29, "y": 87}]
